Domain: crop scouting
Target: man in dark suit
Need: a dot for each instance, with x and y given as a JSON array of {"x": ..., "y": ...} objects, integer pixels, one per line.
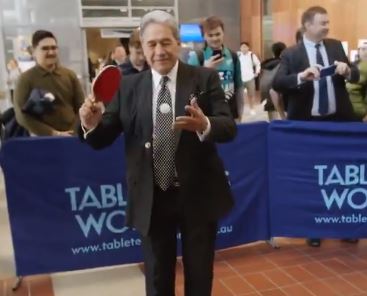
[
  {"x": 310, "y": 96},
  {"x": 171, "y": 117}
]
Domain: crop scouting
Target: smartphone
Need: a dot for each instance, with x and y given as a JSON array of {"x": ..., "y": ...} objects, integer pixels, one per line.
[
  {"x": 217, "y": 52},
  {"x": 202, "y": 97},
  {"x": 327, "y": 71}
]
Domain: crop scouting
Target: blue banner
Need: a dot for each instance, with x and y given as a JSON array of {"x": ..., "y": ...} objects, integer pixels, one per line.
[
  {"x": 317, "y": 179},
  {"x": 67, "y": 201},
  {"x": 246, "y": 162}
]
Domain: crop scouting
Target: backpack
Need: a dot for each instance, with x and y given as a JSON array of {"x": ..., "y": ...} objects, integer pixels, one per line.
[
  {"x": 257, "y": 80},
  {"x": 10, "y": 128}
]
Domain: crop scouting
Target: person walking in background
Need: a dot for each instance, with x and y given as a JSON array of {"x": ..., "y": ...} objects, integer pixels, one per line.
[
  {"x": 217, "y": 56},
  {"x": 250, "y": 70},
  {"x": 13, "y": 75},
  {"x": 311, "y": 97},
  {"x": 135, "y": 62},
  {"x": 272, "y": 99},
  {"x": 277, "y": 100},
  {"x": 358, "y": 91},
  {"x": 117, "y": 56},
  {"x": 50, "y": 81}
]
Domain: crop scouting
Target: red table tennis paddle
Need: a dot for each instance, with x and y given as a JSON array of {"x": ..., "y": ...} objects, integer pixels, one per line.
[{"x": 106, "y": 84}]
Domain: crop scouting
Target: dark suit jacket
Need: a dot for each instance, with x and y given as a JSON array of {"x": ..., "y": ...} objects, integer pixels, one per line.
[
  {"x": 203, "y": 185},
  {"x": 127, "y": 68},
  {"x": 300, "y": 98}
]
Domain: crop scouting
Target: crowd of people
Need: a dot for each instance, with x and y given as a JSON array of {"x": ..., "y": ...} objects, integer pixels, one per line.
[{"x": 244, "y": 78}]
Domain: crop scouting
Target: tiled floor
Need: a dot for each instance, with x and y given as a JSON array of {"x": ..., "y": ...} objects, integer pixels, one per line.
[
  {"x": 36, "y": 285},
  {"x": 334, "y": 269},
  {"x": 295, "y": 269}
]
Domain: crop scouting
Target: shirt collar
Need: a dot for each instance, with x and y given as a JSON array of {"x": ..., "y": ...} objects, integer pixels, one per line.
[
  {"x": 172, "y": 75},
  {"x": 44, "y": 72},
  {"x": 310, "y": 43}
]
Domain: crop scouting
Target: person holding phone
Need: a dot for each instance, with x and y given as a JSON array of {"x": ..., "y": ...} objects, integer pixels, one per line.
[
  {"x": 216, "y": 56},
  {"x": 310, "y": 96}
]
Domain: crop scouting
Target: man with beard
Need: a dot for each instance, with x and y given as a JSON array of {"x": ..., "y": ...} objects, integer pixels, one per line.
[
  {"x": 310, "y": 96},
  {"x": 48, "y": 81}
]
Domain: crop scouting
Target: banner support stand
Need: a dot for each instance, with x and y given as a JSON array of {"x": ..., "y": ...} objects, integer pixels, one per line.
[
  {"x": 17, "y": 283},
  {"x": 273, "y": 243}
]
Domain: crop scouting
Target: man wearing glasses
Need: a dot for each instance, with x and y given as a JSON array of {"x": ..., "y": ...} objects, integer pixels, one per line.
[{"x": 48, "y": 81}]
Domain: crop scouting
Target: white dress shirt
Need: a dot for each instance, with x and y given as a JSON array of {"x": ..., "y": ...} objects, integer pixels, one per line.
[
  {"x": 171, "y": 84},
  {"x": 311, "y": 53}
]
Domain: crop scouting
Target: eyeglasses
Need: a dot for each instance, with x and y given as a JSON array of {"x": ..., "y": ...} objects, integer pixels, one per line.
[{"x": 48, "y": 48}]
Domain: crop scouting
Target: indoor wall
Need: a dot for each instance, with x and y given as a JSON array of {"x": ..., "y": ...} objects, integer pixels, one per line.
[
  {"x": 348, "y": 20},
  {"x": 251, "y": 24},
  {"x": 282, "y": 18}
]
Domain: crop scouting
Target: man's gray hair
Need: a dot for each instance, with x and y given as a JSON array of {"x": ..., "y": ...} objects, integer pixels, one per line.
[{"x": 159, "y": 17}]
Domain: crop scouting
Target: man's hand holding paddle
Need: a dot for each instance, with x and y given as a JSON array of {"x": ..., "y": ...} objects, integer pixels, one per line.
[{"x": 104, "y": 88}]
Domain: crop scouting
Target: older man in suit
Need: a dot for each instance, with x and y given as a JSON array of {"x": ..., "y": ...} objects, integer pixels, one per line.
[
  {"x": 311, "y": 96},
  {"x": 171, "y": 117}
]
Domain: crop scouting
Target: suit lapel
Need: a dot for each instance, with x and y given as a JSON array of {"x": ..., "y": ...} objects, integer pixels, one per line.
[
  {"x": 144, "y": 96},
  {"x": 184, "y": 88},
  {"x": 329, "y": 52},
  {"x": 303, "y": 56}
]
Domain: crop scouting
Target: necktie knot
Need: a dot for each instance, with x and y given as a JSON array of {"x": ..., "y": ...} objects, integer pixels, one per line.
[
  {"x": 164, "y": 80},
  {"x": 319, "y": 59}
]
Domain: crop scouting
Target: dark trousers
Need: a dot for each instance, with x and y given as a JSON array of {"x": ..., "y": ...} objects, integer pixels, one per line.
[{"x": 160, "y": 245}]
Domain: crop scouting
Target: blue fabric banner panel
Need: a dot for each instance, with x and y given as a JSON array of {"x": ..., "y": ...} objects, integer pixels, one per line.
[
  {"x": 67, "y": 201},
  {"x": 245, "y": 160},
  {"x": 66, "y": 205},
  {"x": 317, "y": 179}
]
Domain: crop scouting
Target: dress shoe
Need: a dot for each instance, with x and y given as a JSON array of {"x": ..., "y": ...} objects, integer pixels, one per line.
[{"x": 314, "y": 242}]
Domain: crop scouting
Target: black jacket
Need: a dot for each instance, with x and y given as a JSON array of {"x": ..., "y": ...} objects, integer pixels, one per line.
[
  {"x": 300, "y": 97},
  {"x": 127, "y": 68},
  {"x": 203, "y": 184}
]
